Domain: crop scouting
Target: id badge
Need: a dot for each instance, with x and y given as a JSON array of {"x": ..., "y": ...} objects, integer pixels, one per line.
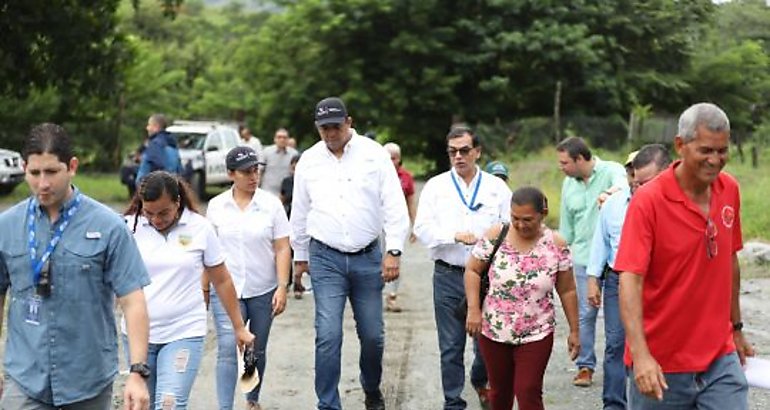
[{"x": 33, "y": 309}]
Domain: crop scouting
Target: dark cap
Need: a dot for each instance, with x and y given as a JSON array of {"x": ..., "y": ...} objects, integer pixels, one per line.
[
  {"x": 330, "y": 110},
  {"x": 240, "y": 158}
]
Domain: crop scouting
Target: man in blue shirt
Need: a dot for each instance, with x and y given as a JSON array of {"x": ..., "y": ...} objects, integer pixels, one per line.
[
  {"x": 63, "y": 259},
  {"x": 648, "y": 163}
]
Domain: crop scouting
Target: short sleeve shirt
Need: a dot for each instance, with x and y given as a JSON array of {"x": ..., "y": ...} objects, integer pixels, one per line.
[
  {"x": 519, "y": 306},
  {"x": 247, "y": 238},
  {"x": 407, "y": 181},
  {"x": 175, "y": 263},
  {"x": 687, "y": 269},
  {"x": 95, "y": 260}
]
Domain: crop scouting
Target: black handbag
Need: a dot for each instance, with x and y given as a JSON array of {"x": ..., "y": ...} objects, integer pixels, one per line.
[{"x": 461, "y": 311}]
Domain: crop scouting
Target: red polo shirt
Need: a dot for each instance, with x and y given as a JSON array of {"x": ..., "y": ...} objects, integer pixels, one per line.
[
  {"x": 407, "y": 182},
  {"x": 686, "y": 295}
]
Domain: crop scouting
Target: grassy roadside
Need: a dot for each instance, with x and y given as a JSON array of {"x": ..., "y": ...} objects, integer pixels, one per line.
[
  {"x": 536, "y": 168},
  {"x": 104, "y": 187}
]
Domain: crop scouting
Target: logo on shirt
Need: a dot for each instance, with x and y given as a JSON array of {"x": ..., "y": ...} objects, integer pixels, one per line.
[
  {"x": 185, "y": 240},
  {"x": 728, "y": 216}
]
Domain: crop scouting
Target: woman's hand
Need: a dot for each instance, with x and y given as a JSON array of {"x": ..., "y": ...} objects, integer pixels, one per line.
[
  {"x": 243, "y": 337},
  {"x": 473, "y": 321},
  {"x": 573, "y": 344},
  {"x": 279, "y": 300}
]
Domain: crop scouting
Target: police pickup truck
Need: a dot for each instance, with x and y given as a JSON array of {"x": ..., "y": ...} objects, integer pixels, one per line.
[
  {"x": 11, "y": 171},
  {"x": 203, "y": 146}
]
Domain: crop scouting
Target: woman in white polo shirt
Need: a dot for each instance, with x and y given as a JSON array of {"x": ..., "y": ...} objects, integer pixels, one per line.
[
  {"x": 254, "y": 231},
  {"x": 177, "y": 245}
]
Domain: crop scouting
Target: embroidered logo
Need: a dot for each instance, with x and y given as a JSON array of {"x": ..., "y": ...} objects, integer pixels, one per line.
[
  {"x": 728, "y": 216},
  {"x": 185, "y": 240}
]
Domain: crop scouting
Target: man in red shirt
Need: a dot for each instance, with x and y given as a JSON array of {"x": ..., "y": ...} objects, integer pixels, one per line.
[
  {"x": 680, "y": 280},
  {"x": 407, "y": 185}
]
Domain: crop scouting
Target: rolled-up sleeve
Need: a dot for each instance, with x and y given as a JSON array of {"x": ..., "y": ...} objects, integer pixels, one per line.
[{"x": 394, "y": 211}]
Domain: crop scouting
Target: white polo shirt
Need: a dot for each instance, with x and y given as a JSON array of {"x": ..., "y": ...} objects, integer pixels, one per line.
[
  {"x": 175, "y": 263},
  {"x": 247, "y": 239}
]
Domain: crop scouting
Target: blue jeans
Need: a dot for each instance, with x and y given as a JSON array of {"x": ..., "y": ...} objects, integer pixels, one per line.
[
  {"x": 614, "y": 394},
  {"x": 337, "y": 277},
  {"x": 448, "y": 290},
  {"x": 587, "y": 314},
  {"x": 173, "y": 367},
  {"x": 722, "y": 386},
  {"x": 258, "y": 311}
]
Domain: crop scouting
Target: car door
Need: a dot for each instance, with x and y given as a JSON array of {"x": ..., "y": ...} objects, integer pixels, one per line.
[{"x": 215, "y": 152}]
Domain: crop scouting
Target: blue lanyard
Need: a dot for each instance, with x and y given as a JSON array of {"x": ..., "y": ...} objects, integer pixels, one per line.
[
  {"x": 66, "y": 216},
  {"x": 473, "y": 206}
]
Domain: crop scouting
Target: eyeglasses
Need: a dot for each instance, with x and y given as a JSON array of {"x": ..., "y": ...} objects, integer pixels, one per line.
[
  {"x": 464, "y": 151},
  {"x": 711, "y": 239}
]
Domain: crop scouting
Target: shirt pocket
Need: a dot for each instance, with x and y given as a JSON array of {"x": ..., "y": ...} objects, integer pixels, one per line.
[
  {"x": 19, "y": 269},
  {"x": 79, "y": 274}
]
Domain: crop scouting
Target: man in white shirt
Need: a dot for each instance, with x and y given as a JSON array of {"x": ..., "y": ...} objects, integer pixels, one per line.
[
  {"x": 277, "y": 158},
  {"x": 346, "y": 192},
  {"x": 455, "y": 209},
  {"x": 249, "y": 140}
]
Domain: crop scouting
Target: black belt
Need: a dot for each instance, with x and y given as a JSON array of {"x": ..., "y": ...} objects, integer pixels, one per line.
[
  {"x": 448, "y": 265},
  {"x": 365, "y": 249}
]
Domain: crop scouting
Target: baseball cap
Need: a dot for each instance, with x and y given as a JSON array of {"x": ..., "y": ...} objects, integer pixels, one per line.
[
  {"x": 240, "y": 158},
  {"x": 630, "y": 158},
  {"x": 497, "y": 168},
  {"x": 330, "y": 110}
]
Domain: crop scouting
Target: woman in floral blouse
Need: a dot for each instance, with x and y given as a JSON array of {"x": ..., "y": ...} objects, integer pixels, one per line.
[{"x": 515, "y": 325}]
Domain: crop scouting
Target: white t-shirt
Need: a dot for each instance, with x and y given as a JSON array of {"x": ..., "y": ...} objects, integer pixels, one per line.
[
  {"x": 175, "y": 263},
  {"x": 247, "y": 239}
]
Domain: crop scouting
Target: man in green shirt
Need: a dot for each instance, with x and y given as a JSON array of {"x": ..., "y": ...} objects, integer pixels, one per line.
[{"x": 589, "y": 182}]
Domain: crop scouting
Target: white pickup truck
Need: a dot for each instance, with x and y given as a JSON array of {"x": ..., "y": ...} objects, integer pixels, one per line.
[
  {"x": 203, "y": 146},
  {"x": 11, "y": 171}
]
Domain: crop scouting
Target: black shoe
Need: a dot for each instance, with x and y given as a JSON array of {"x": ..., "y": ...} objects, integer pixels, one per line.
[{"x": 374, "y": 401}]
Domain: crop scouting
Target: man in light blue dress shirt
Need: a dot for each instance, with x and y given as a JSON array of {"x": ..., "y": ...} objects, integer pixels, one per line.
[{"x": 648, "y": 163}]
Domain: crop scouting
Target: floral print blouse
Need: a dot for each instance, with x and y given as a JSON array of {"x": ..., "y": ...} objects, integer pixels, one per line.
[{"x": 519, "y": 306}]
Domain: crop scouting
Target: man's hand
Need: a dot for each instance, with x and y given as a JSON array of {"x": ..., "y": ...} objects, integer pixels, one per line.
[
  {"x": 390, "y": 267},
  {"x": 743, "y": 347},
  {"x": 602, "y": 198},
  {"x": 279, "y": 300},
  {"x": 135, "y": 395},
  {"x": 300, "y": 267},
  {"x": 649, "y": 377},
  {"x": 594, "y": 292},
  {"x": 467, "y": 238}
]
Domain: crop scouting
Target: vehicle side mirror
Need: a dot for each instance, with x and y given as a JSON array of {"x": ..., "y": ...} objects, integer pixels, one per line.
[{"x": 212, "y": 148}]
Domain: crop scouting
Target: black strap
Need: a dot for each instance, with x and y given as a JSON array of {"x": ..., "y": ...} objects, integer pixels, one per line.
[{"x": 484, "y": 289}]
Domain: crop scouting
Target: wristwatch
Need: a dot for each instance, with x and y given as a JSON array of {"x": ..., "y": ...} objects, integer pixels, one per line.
[
  {"x": 394, "y": 252},
  {"x": 140, "y": 368},
  {"x": 737, "y": 327}
]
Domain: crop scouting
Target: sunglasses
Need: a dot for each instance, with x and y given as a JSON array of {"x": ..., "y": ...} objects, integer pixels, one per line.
[
  {"x": 464, "y": 151},
  {"x": 711, "y": 239}
]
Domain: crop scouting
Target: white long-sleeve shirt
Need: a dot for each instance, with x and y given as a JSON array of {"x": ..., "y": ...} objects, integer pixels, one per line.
[
  {"x": 347, "y": 202},
  {"x": 441, "y": 213}
]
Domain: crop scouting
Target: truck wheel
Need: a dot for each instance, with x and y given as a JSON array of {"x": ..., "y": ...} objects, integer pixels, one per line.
[{"x": 198, "y": 184}]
